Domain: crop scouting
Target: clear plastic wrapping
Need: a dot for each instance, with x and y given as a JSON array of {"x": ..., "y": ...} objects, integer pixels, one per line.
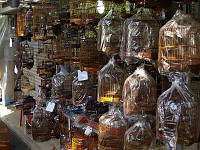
[
  {"x": 110, "y": 33},
  {"x": 140, "y": 136},
  {"x": 177, "y": 114},
  {"x": 40, "y": 122},
  {"x": 110, "y": 82},
  {"x": 179, "y": 43},
  {"x": 82, "y": 86},
  {"x": 139, "y": 93},
  {"x": 112, "y": 127},
  {"x": 40, "y": 125},
  {"x": 60, "y": 84},
  {"x": 140, "y": 37}
]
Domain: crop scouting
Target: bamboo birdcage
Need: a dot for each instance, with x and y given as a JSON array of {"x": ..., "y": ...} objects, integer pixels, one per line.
[
  {"x": 140, "y": 37},
  {"x": 84, "y": 11},
  {"x": 179, "y": 42},
  {"x": 45, "y": 65},
  {"x": 40, "y": 17},
  {"x": 59, "y": 53},
  {"x": 24, "y": 22},
  {"x": 89, "y": 52},
  {"x": 27, "y": 56}
]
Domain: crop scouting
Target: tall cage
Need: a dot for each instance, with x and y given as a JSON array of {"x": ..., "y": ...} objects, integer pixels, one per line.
[
  {"x": 45, "y": 66},
  {"x": 40, "y": 17}
]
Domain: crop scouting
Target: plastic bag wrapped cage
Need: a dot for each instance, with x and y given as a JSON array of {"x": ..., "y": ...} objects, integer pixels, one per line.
[
  {"x": 110, "y": 33},
  {"x": 140, "y": 37},
  {"x": 140, "y": 136},
  {"x": 110, "y": 82},
  {"x": 179, "y": 43},
  {"x": 139, "y": 93},
  {"x": 177, "y": 114}
]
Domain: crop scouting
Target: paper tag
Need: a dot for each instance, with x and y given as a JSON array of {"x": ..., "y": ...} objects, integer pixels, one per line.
[
  {"x": 88, "y": 130},
  {"x": 82, "y": 75},
  {"x": 50, "y": 106},
  {"x": 63, "y": 70}
]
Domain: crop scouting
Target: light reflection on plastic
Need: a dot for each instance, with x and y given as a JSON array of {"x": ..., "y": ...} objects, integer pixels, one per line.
[
  {"x": 11, "y": 42},
  {"x": 100, "y": 6}
]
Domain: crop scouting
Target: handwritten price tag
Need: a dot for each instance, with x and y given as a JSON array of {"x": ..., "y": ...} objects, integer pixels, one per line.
[
  {"x": 82, "y": 75},
  {"x": 50, "y": 107}
]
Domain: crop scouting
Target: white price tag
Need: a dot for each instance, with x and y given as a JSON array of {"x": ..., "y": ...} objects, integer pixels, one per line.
[
  {"x": 82, "y": 75},
  {"x": 88, "y": 130},
  {"x": 50, "y": 107},
  {"x": 63, "y": 70}
]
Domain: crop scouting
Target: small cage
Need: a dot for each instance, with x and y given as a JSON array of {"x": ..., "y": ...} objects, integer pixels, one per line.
[
  {"x": 84, "y": 11},
  {"x": 177, "y": 116},
  {"x": 139, "y": 93},
  {"x": 89, "y": 13},
  {"x": 112, "y": 127},
  {"x": 21, "y": 23},
  {"x": 45, "y": 66},
  {"x": 41, "y": 122},
  {"x": 76, "y": 10},
  {"x": 89, "y": 52},
  {"x": 59, "y": 11},
  {"x": 4, "y": 138},
  {"x": 27, "y": 57},
  {"x": 82, "y": 87},
  {"x": 58, "y": 53},
  {"x": 27, "y": 83},
  {"x": 110, "y": 82},
  {"x": 67, "y": 34},
  {"x": 140, "y": 37},
  {"x": 140, "y": 136},
  {"x": 179, "y": 43},
  {"x": 40, "y": 17},
  {"x": 110, "y": 33}
]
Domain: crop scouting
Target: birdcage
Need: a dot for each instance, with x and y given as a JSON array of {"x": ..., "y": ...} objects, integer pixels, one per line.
[
  {"x": 110, "y": 33},
  {"x": 84, "y": 11},
  {"x": 21, "y": 26},
  {"x": 67, "y": 35},
  {"x": 90, "y": 12},
  {"x": 139, "y": 93},
  {"x": 59, "y": 11},
  {"x": 45, "y": 66},
  {"x": 177, "y": 113},
  {"x": 4, "y": 138},
  {"x": 59, "y": 54},
  {"x": 140, "y": 37},
  {"x": 27, "y": 56},
  {"x": 27, "y": 82},
  {"x": 89, "y": 52},
  {"x": 40, "y": 17},
  {"x": 140, "y": 136},
  {"x": 179, "y": 42},
  {"x": 110, "y": 82},
  {"x": 112, "y": 127},
  {"x": 76, "y": 9}
]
